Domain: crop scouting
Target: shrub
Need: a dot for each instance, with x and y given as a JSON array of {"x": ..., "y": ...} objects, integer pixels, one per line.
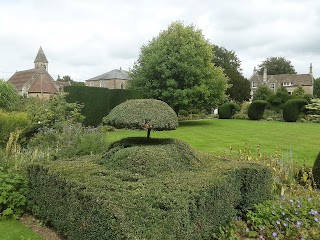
[
  {"x": 86, "y": 200},
  {"x": 183, "y": 113},
  {"x": 9, "y": 97},
  {"x": 12, "y": 122},
  {"x": 256, "y": 109},
  {"x": 143, "y": 114},
  {"x": 13, "y": 189},
  {"x": 316, "y": 170},
  {"x": 227, "y": 110},
  {"x": 292, "y": 109}
]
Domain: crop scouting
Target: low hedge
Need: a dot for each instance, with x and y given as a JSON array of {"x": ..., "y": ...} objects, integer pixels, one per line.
[
  {"x": 256, "y": 109},
  {"x": 227, "y": 110},
  {"x": 292, "y": 109},
  {"x": 86, "y": 200}
]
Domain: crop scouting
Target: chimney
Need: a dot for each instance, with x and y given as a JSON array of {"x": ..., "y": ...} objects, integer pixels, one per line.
[
  {"x": 254, "y": 70},
  {"x": 265, "y": 75},
  {"x": 310, "y": 72}
]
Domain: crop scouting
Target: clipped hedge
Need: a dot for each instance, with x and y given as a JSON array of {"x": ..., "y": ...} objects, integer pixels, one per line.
[
  {"x": 316, "y": 170},
  {"x": 98, "y": 102},
  {"x": 227, "y": 110},
  {"x": 132, "y": 114},
  {"x": 292, "y": 109},
  {"x": 256, "y": 109},
  {"x": 86, "y": 200}
]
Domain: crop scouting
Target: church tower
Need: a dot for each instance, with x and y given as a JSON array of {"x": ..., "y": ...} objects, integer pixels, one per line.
[{"x": 41, "y": 60}]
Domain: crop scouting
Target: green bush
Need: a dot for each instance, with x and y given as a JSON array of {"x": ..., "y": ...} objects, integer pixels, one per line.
[
  {"x": 227, "y": 110},
  {"x": 183, "y": 113},
  {"x": 97, "y": 102},
  {"x": 292, "y": 109},
  {"x": 86, "y": 200},
  {"x": 316, "y": 170},
  {"x": 13, "y": 188},
  {"x": 12, "y": 122},
  {"x": 9, "y": 97},
  {"x": 133, "y": 114},
  {"x": 256, "y": 109}
]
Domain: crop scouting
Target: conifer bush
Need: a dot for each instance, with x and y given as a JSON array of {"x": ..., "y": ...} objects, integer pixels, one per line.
[
  {"x": 292, "y": 109},
  {"x": 256, "y": 109},
  {"x": 227, "y": 110}
]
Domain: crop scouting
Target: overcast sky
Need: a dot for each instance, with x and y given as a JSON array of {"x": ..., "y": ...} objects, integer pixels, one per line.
[{"x": 86, "y": 38}]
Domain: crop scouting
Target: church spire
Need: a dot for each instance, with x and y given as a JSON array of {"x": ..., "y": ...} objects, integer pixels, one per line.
[{"x": 41, "y": 60}]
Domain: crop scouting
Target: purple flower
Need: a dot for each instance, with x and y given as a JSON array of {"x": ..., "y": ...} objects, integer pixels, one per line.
[
  {"x": 260, "y": 236},
  {"x": 284, "y": 224},
  {"x": 291, "y": 200},
  {"x": 283, "y": 213},
  {"x": 274, "y": 234},
  {"x": 278, "y": 222},
  {"x": 309, "y": 199},
  {"x": 303, "y": 238},
  {"x": 299, "y": 223},
  {"x": 262, "y": 228},
  {"x": 247, "y": 229},
  {"x": 316, "y": 219}
]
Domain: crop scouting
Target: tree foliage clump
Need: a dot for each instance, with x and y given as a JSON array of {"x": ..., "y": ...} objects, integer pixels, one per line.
[
  {"x": 276, "y": 66},
  {"x": 256, "y": 109},
  {"x": 227, "y": 110},
  {"x": 176, "y": 67},
  {"x": 292, "y": 109},
  {"x": 263, "y": 93},
  {"x": 150, "y": 114},
  {"x": 299, "y": 92},
  {"x": 239, "y": 89},
  {"x": 316, "y": 170},
  {"x": 9, "y": 97},
  {"x": 316, "y": 88}
]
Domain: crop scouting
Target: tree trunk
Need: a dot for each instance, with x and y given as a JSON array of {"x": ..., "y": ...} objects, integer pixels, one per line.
[{"x": 148, "y": 134}]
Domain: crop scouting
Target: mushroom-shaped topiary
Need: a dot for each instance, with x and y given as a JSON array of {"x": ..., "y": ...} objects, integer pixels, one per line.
[
  {"x": 149, "y": 114},
  {"x": 316, "y": 170},
  {"x": 227, "y": 110},
  {"x": 292, "y": 109},
  {"x": 256, "y": 109}
]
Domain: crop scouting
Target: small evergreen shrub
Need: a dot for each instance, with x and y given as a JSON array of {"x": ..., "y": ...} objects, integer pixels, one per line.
[
  {"x": 183, "y": 112},
  {"x": 316, "y": 170},
  {"x": 292, "y": 109},
  {"x": 256, "y": 109},
  {"x": 227, "y": 110}
]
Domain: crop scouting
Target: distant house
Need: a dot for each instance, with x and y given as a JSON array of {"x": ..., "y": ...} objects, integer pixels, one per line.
[
  {"x": 36, "y": 81},
  {"x": 288, "y": 81},
  {"x": 115, "y": 79}
]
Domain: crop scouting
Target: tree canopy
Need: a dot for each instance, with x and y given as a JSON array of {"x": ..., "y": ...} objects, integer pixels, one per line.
[
  {"x": 239, "y": 89},
  {"x": 276, "y": 65},
  {"x": 67, "y": 78},
  {"x": 263, "y": 93},
  {"x": 316, "y": 88},
  {"x": 176, "y": 67},
  {"x": 9, "y": 96}
]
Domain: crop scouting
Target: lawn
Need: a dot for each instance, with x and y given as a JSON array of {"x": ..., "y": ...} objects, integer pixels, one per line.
[
  {"x": 297, "y": 141},
  {"x": 14, "y": 230}
]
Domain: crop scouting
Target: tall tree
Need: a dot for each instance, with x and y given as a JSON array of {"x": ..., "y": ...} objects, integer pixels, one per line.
[
  {"x": 239, "y": 89},
  {"x": 316, "y": 88},
  {"x": 67, "y": 78},
  {"x": 276, "y": 65},
  {"x": 176, "y": 67},
  {"x": 263, "y": 93}
]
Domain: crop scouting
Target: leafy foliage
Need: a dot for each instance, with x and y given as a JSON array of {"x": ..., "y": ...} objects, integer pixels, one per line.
[
  {"x": 239, "y": 89},
  {"x": 227, "y": 110},
  {"x": 298, "y": 92},
  {"x": 9, "y": 98},
  {"x": 263, "y": 93},
  {"x": 176, "y": 67},
  {"x": 133, "y": 114},
  {"x": 13, "y": 188},
  {"x": 256, "y": 109},
  {"x": 316, "y": 88},
  {"x": 276, "y": 66},
  {"x": 292, "y": 109},
  {"x": 316, "y": 170},
  {"x": 67, "y": 78}
]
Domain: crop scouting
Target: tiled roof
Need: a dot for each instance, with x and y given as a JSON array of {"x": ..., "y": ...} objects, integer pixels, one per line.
[
  {"x": 20, "y": 78},
  {"x": 295, "y": 79},
  {"x": 41, "y": 57},
  {"x": 114, "y": 74}
]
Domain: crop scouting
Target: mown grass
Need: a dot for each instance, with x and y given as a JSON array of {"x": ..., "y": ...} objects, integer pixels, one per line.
[
  {"x": 299, "y": 142},
  {"x": 11, "y": 229}
]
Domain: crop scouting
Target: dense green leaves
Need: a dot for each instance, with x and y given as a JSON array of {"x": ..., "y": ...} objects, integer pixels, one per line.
[
  {"x": 256, "y": 109},
  {"x": 276, "y": 65},
  {"x": 292, "y": 109},
  {"x": 263, "y": 93},
  {"x": 227, "y": 110},
  {"x": 316, "y": 170},
  {"x": 176, "y": 67},
  {"x": 316, "y": 88},
  {"x": 9, "y": 97}
]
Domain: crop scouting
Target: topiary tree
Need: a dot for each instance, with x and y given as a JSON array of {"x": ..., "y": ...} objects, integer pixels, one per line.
[
  {"x": 256, "y": 109},
  {"x": 316, "y": 171},
  {"x": 292, "y": 109},
  {"x": 227, "y": 110},
  {"x": 149, "y": 114}
]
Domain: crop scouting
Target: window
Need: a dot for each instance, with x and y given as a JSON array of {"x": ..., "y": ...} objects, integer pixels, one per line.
[
  {"x": 254, "y": 85},
  {"x": 286, "y": 84},
  {"x": 272, "y": 86},
  {"x": 102, "y": 84},
  {"x": 122, "y": 85}
]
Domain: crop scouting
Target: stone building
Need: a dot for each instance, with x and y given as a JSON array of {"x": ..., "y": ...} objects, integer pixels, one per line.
[
  {"x": 288, "y": 81},
  {"x": 115, "y": 79}
]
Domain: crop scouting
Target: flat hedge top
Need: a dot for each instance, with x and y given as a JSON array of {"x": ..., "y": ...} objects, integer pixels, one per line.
[{"x": 133, "y": 114}]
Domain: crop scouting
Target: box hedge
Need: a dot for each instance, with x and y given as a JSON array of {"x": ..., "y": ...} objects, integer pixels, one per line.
[
  {"x": 86, "y": 200},
  {"x": 256, "y": 109},
  {"x": 98, "y": 102},
  {"x": 292, "y": 109},
  {"x": 227, "y": 110}
]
